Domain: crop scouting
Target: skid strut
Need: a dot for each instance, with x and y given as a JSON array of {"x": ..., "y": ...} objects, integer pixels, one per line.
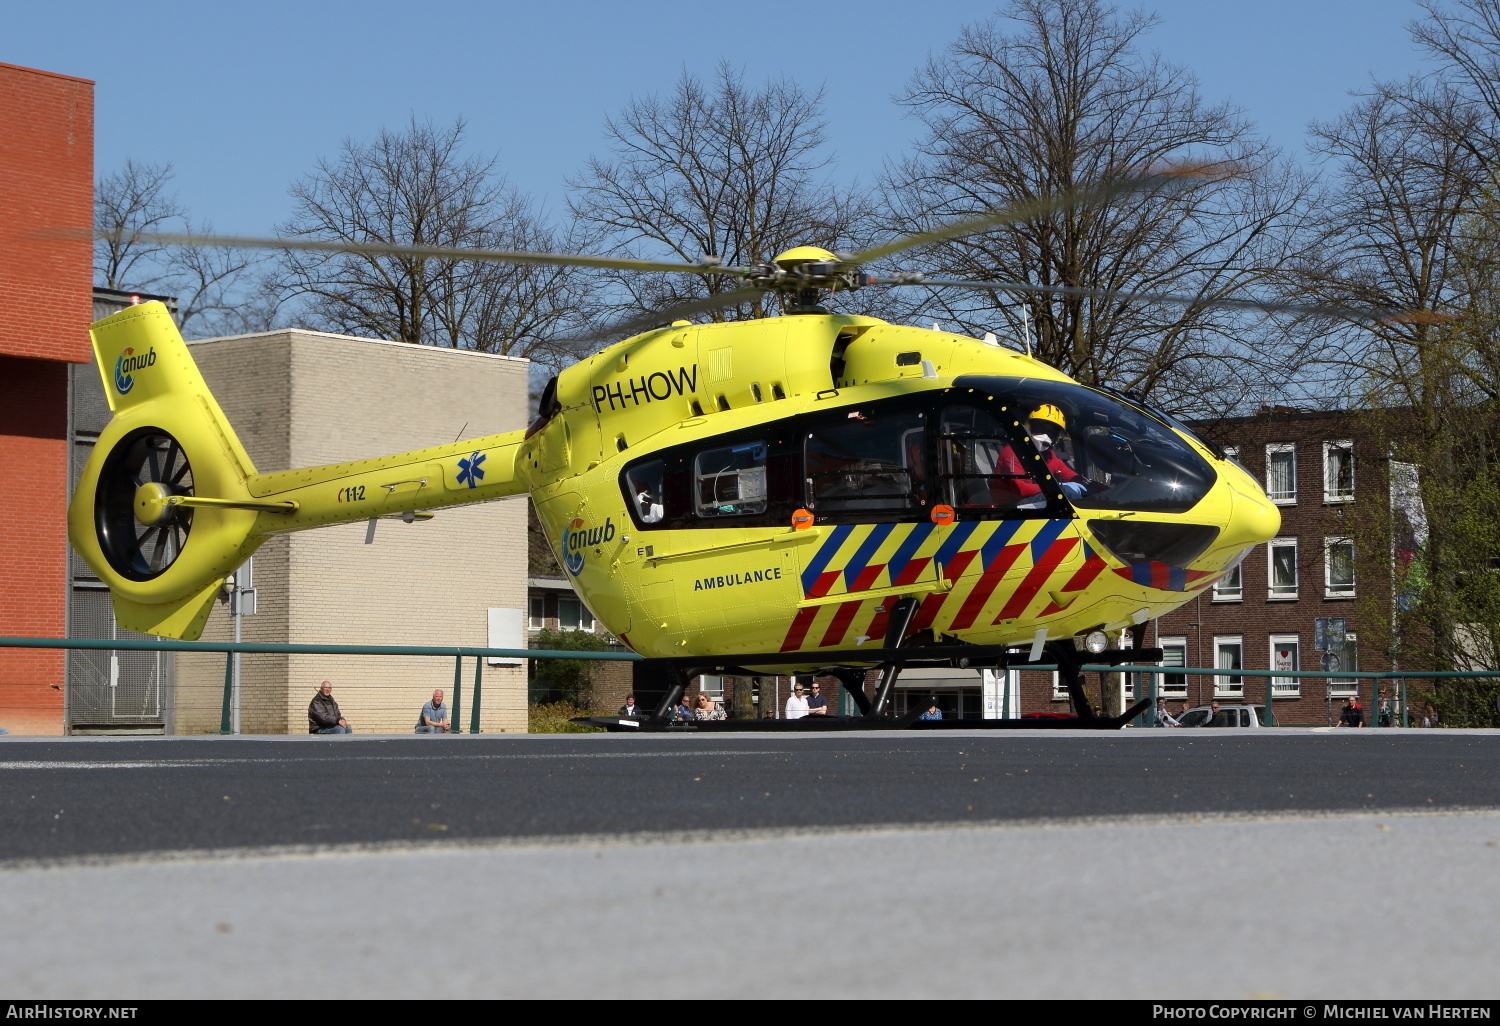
[{"x": 890, "y": 660}]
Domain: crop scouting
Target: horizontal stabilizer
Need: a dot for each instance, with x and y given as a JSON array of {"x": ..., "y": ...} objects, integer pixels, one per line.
[{"x": 182, "y": 619}]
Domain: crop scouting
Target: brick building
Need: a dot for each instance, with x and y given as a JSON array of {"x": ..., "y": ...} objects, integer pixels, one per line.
[
  {"x": 1315, "y": 597},
  {"x": 46, "y": 212},
  {"x": 302, "y": 398}
]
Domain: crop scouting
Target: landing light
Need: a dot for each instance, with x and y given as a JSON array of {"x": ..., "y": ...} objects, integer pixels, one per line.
[{"x": 1096, "y": 642}]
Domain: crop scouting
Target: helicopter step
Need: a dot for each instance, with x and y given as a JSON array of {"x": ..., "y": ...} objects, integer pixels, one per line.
[{"x": 1067, "y": 660}]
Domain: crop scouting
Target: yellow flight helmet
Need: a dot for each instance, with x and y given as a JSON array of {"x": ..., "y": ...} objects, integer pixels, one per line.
[{"x": 1051, "y": 414}]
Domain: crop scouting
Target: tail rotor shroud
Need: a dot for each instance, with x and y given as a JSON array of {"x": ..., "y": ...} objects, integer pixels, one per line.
[{"x": 138, "y": 535}]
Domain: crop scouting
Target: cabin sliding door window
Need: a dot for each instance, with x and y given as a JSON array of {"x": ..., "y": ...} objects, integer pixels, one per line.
[{"x": 867, "y": 461}]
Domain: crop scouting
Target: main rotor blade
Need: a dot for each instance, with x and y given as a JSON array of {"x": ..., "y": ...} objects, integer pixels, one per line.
[
  {"x": 659, "y": 318},
  {"x": 510, "y": 256},
  {"x": 1168, "y": 175},
  {"x": 1265, "y": 306}
]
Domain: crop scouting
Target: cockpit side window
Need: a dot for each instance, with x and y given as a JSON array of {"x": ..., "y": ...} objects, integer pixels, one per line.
[
  {"x": 867, "y": 461},
  {"x": 1105, "y": 453},
  {"x": 982, "y": 466}
]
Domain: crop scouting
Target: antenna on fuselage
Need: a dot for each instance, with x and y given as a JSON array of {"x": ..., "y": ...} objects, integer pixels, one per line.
[{"x": 1026, "y": 327}]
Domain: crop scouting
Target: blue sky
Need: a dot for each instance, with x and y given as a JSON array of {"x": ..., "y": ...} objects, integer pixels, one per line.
[{"x": 243, "y": 98}]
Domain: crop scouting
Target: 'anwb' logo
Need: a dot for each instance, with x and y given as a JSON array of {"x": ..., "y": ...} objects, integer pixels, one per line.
[
  {"x": 575, "y": 539},
  {"x": 127, "y": 363}
]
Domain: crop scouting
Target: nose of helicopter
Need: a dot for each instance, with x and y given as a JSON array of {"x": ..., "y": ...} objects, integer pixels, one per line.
[{"x": 1253, "y": 519}]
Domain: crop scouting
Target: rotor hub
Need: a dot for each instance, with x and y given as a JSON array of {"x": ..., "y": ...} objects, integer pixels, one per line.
[{"x": 150, "y": 503}]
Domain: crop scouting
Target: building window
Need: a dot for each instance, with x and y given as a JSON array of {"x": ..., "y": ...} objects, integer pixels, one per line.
[
  {"x": 1230, "y": 587},
  {"x": 1282, "y": 567},
  {"x": 1338, "y": 471},
  {"x": 1281, "y": 472},
  {"x": 1229, "y": 654},
  {"x": 1232, "y": 451},
  {"x": 1347, "y": 660},
  {"x": 538, "y": 611},
  {"x": 573, "y": 615},
  {"x": 1286, "y": 654},
  {"x": 1173, "y": 653},
  {"x": 1338, "y": 567},
  {"x": 713, "y": 687}
]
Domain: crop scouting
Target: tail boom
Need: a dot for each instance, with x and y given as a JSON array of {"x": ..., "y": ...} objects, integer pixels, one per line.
[{"x": 169, "y": 503}]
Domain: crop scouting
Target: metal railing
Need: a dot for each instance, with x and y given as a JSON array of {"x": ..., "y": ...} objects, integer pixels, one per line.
[
  {"x": 458, "y": 653},
  {"x": 1375, "y": 677}
]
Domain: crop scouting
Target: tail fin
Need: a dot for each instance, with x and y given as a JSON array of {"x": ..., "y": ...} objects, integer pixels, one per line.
[{"x": 167, "y": 442}]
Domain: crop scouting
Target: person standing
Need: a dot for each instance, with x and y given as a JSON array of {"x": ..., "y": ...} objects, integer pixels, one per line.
[
  {"x": 323, "y": 716},
  {"x": 933, "y": 712},
  {"x": 817, "y": 705},
  {"x": 796, "y": 705},
  {"x": 434, "y": 718},
  {"x": 629, "y": 708}
]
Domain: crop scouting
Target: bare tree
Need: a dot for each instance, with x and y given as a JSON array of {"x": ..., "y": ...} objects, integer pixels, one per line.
[
  {"x": 416, "y": 187},
  {"x": 127, "y": 203},
  {"x": 216, "y": 286},
  {"x": 722, "y": 170},
  {"x": 1055, "y": 96},
  {"x": 1402, "y": 185}
]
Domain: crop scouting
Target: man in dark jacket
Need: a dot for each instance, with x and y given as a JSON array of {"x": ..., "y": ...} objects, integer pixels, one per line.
[
  {"x": 1352, "y": 714},
  {"x": 323, "y": 715}
]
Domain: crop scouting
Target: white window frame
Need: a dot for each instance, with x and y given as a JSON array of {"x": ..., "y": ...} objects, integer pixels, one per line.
[
  {"x": 1276, "y": 448},
  {"x": 1272, "y": 595},
  {"x": 1225, "y": 686},
  {"x": 1221, "y": 590},
  {"x": 1163, "y": 689},
  {"x": 536, "y": 612},
  {"x": 1289, "y": 687},
  {"x": 1330, "y": 491},
  {"x": 1329, "y": 591},
  {"x": 1232, "y": 451},
  {"x": 1344, "y": 688},
  {"x": 1059, "y": 692},
  {"x": 712, "y": 686}
]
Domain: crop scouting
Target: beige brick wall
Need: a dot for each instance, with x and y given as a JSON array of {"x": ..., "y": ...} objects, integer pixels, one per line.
[{"x": 306, "y": 398}]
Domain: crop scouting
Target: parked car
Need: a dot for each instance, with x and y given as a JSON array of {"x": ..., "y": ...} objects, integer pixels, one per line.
[{"x": 1227, "y": 716}]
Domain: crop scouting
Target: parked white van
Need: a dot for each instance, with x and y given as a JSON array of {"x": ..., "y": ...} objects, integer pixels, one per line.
[{"x": 1227, "y": 716}]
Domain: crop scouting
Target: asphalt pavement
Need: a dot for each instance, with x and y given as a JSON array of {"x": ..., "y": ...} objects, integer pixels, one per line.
[
  {"x": 1141, "y": 863},
  {"x": 82, "y": 797}
]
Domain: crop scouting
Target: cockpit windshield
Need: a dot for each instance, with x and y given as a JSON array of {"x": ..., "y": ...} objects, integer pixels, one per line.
[{"x": 1105, "y": 454}]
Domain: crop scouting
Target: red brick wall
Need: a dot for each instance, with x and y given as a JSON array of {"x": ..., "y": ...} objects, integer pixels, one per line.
[
  {"x": 34, "y": 543},
  {"x": 47, "y": 171},
  {"x": 47, "y": 167}
]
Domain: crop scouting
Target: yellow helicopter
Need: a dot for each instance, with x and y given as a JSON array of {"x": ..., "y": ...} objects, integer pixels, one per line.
[{"x": 811, "y": 492}]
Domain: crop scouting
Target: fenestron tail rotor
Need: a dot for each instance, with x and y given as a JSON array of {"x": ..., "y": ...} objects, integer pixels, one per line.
[{"x": 139, "y": 535}]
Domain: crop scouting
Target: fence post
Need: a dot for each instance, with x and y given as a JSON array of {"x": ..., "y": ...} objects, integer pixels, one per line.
[
  {"x": 1269, "y": 719},
  {"x": 1405, "y": 719},
  {"x": 224, "y": 726},
  {"x": 457, "y": 726},
  {"x": 1372, "y": 717},
  {"x": 478, "y": 680}
]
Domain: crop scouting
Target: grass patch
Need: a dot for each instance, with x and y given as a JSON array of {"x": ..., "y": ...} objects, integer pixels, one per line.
[{"x": 553, "y": 718}]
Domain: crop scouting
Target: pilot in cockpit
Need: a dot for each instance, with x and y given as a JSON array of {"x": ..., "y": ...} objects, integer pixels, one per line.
[{"x": 1046, "y": 425}]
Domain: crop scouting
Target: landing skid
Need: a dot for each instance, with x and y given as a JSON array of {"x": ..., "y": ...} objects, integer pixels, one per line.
[{"x": 890, "y": 662}]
